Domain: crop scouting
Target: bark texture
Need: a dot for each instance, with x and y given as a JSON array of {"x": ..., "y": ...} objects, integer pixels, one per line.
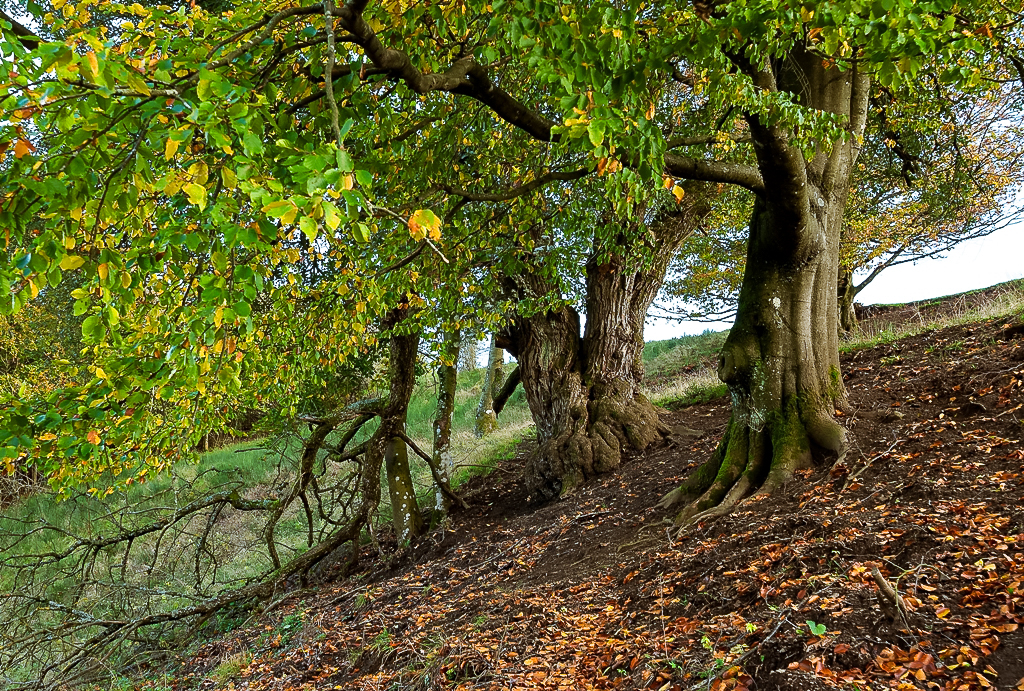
[
  {"x": 781, "y": 359},
  {"x": 584, "y": 390},
  {"x": 386, "y": 445},
  {"x": 447, "y": 376}
]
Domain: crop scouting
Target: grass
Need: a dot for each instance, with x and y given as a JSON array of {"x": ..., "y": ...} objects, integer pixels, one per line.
[
  {"x": 1007, "y": 301},
  {"x": 667, "y": 358},
  {"x": 681, "y": 371},
  {"x": 230, "y": 668}
]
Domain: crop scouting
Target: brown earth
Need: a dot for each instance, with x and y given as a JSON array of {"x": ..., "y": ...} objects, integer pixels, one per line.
[{"x": 597, "y": 591}]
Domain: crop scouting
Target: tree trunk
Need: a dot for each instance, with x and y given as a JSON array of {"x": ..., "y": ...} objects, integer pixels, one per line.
[
  {"x": 781, "y": 359},
  {"x": 467, "y": 354},
  {"x": 584, "y": 393},
  {"x": 385, "y": 446},
  {"x": 447, "y": 376},
  {"x": 486, "y": 417},
  {"x": 847, "y": 291}
]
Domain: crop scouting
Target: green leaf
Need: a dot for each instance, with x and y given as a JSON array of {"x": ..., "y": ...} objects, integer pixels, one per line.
[
  {"x": 93, "y": 328},
  {"x": 279, "y": 208},
  {"x": 816, "y": 629},
  {"x": 595, "y": 130},
  {"x": 308, "y": 226}
]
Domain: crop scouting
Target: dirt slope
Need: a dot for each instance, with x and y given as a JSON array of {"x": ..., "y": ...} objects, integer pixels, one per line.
[{"x": 595, "y": 591}]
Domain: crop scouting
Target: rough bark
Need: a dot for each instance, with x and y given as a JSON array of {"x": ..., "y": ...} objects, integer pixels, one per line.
[
  {"x": 386, "y": 446},
  {"x": 467, "y": 354},
  {"x": 781, "y": 359},
  {"x": 486, "y": 416},
  {"x": 447, "y": 376},
  {"x": 584, "y": 391}
]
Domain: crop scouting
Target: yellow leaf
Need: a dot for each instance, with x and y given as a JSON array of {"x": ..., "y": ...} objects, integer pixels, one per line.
[
  {"x": 69, "y": 244},
  {"x": 93, "y": 437},
  {"x": 100, "y": 374},
  {"x": 196, "y": 194},
  {"x": 104, "y": 271},
  {"x": 33, "y": 288},
  {"x": 70, "y": 262},
  {"x": 229, "y": 178},
  {"x": 346, "y": 182},
  {"x": 425, "y": 222},
  {"x": 126, "y": 280},
  {"x": 170, "y": 148},
  {"x": 678, "y": 193},
  {"x": 199, "y": 172},
  {"x": 94, "y": 65}
]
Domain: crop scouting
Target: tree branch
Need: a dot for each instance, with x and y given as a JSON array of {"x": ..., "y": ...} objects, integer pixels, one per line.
[
  {"x": 440, "y": 481},
  {"x": 508, "y": 388},
  {"x": 28, "y": 38},
  {"x": 714, "y": 171},
  {"x": 465, "y": 77},
  {"x": 519, "y": 190}
]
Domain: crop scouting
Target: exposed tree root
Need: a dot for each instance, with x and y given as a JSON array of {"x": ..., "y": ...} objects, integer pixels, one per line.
[
  {"x": 754, "y": 461},
  {"x": 609, "y": 428}
]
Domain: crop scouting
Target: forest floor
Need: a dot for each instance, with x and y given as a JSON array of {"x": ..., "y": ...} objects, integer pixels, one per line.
[{"x": 596, "y": 591}]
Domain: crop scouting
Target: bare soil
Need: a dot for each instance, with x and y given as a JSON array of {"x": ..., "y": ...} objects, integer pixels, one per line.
[{"x": 596, "y": 591}]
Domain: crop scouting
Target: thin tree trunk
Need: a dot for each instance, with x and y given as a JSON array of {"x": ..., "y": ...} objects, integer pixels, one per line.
[
  {"x": 447, "y": 376},
  {"x": 847, "y": 291},
  {"x": 486, "y": 417},
  {"x": 385, "y": 446}
]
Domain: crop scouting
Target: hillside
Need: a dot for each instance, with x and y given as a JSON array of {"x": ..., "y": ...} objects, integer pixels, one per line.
[{"x": 596, "y": 591}]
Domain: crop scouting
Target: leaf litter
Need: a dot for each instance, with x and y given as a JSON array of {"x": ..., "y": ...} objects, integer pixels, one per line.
[{"x": 901, "y": 568}]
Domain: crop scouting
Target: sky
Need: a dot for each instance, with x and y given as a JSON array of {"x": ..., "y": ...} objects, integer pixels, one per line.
[{"x": 974, "y": 264}]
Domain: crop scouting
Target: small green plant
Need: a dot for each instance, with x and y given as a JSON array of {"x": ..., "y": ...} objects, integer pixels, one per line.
[
  {"x": 816, "y": 629},
  {"x": 290, "y": 626},
  {"x": 381, "y": 642},
  {"x": 479, "y": 621},
  {"x": 231, "y": 667},
  {"x": 713, "y": 670},
  {"x": 751, "y": 627}
]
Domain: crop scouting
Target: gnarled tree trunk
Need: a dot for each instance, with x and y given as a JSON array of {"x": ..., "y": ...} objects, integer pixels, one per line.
[
  {"x": 584, "y": 391},
  {"x": 781, "y": 359}
]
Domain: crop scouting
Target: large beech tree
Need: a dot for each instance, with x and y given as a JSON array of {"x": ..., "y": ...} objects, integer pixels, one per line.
[{"x": 171, "y": 156}]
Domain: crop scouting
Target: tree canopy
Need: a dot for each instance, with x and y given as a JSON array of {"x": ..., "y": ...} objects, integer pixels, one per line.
[{"x": 229, "y": 215}]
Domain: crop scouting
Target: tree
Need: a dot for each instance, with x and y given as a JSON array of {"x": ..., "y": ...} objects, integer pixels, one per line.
[
  {"x": 486, "y": 418},
  {"x": 935, "y": 170},
  {"x": 224, "y": 151}
]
